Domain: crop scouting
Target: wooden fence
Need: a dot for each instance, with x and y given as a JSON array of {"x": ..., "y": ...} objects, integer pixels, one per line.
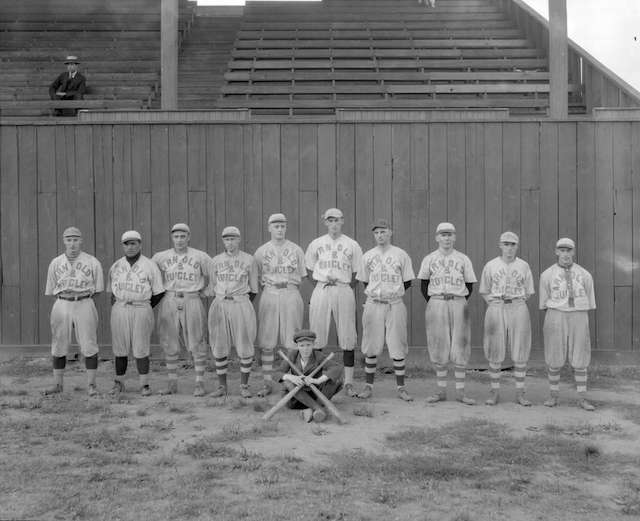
[{"x": 541, "y": 179}]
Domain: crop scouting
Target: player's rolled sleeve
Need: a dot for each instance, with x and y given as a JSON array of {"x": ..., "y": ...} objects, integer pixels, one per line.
[
  {"x": 469, "y": 275},
  {"x": 253, "y": 277},
  {"x": 544, "y": 292},
  {"x": 51, "y": 281},
  {"x": 310, "y": 257},
  {"x": 156, "y": 279},
  {"x": 407, "y": 269},
  {"x": 98, "y": 277}
]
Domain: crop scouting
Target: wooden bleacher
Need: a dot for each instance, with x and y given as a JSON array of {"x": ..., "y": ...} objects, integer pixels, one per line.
[
  {"x": 118, "y": 43},
  {"x": 317, "y": 57}
]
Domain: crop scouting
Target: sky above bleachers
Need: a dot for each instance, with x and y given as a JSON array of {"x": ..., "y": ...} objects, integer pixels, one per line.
[{"x": 609, "y": 30}]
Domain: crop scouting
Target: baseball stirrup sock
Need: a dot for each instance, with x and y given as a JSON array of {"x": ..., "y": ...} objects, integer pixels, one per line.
[
  {"x": 267, "y": 363},
  {"x": 580, "y": 376},
  {"x": 91, "y": 362},
  {"x": 520, "y": 372},
  {"x": 172, "y": 367},
  {"x": 494, "y": 373},
  {"x": 143, "y": 364},
  {"x": 348, "y": 357},
  {"x": 460, "y": 373},
  {"x": 200, "y": 366},
  {"x": 554, "y": 379},
  {"x": 398, "y": 369},
  {"x": 370, "y": 363},
  {"x": 59, "y": 362},
  {"x": 245, "y": 369},
  {"x": 441, "y": 377},
  {"x": 121, "y": 365},
  {"x": 221, "y": 370}
]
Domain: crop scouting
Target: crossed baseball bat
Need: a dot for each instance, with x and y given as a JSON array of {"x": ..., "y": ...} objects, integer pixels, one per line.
[{"x": 325, "y": 401}]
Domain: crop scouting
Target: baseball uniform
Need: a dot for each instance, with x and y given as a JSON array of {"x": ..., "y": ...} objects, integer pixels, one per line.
[
  {"x": 132, "y": 319},
  {"x": 333, "y": 263}
]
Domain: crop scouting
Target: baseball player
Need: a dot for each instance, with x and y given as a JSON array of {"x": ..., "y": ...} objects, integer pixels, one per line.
[
  {"x": 182, "y": 319},
  {"x": 447, "y": 282},
  {"x": 386, "y": 273},
  {"x": 281, "y": 268},
  {"x": 506, "y": 284},
  {"x": 566, "y": 292},
  {"x": 332, "y": 261},
  {"x": 73, "y": 279},
  {"x": 136, "y": 286},
  {"x": 233, "y": 280}
]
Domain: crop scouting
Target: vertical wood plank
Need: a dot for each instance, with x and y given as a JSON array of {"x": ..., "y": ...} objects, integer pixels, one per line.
[
  {"x": 216, "y": 200},
  {"x": 84, "y": 186},
  {"x": 309, "y": 158},
  {"x": 234, "y": 176},
  {"x": 603, "y": 277},
  {"x": 122, "y": 187},
  {"x": 254, "y": 223},
  {"x": 635, "y": 180},
  {"x": 437, "y": 178},
  {"x": 567, "y": 191},
  {"x": 178, "y": 205},
  {"x": 271, "y": 178},
  {"x": 326, "y": 170},
  {"x": 140, "y": 158},
  {"x": 492, "y": 152},
  {"x": 290, "y": 156},
  {"x": 196, "y": 159},
  {"x": 160, "y": 217},
  {"x": 456, "y": 182},
  {"x": 198, "y": 216},
  {"x": 511, "y": 177},
  {"x": 623, "y": 313},
  {"x": 364, "y": 188},
  {"x": 47, "y": 249},
  {"x": 142, "y": 221},
  {"x": 548, "y": 193},
  {"x": 345, "y": 173},
  {"x": 622, "y": 206}
]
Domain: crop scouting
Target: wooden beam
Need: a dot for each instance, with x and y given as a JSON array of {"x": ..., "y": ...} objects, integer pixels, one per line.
[
  {"x": 558, "y": 59},
  {"x": 169, "y": 54}
]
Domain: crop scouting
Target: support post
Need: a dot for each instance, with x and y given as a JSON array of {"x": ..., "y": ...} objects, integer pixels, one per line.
[
  {"x": 169, "y": 54},
  {"x": 558, "y": 60}
]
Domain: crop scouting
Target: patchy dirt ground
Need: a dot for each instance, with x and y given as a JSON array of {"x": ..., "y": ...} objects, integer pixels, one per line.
[{"x": 391, "y": 460}]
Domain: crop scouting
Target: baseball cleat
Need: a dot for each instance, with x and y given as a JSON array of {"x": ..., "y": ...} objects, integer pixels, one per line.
[
  {"x": 307, "y": 415},
  {"x": 367, "y": 392},
  {"x": 220, "y": 391},
  {"x": 494, "y": 397},
  {"x": 145, "y": 391},
  {"x": 56, "y": 389},
  {"x": 350, "y": 391},
  {"x": 118, "y": 387},
  {"x": 584, "y": 404},
  {"x": 404, "y": 395},
  {"x": 319, "y": 415},
  {"x": 172, "y": 388},
  {"x": 267, "y": 389},
  {"x": 199, "y": 391},
  {"x": 463, "y": 398},
  {"x": 91, "y": 390},
  {"x": 551, "y": 402},
  {"x": 440, "y": 396},
  {"x": 520, "y": 399},
  {"x": 245, "y": 392}
]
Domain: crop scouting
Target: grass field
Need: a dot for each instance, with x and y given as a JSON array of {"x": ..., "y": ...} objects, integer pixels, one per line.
[{"x": 72, "y": 457}]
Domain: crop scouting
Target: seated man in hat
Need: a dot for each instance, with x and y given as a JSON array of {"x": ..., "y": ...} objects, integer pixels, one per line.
[
  {"x": 306, "y": 358},
  {"x": 70, "y": 85}
]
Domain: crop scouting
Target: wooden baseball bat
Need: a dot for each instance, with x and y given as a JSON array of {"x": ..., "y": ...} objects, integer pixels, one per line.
[
  {"x": 283, "y": 401},
  {"x": 325, "y": 401}
]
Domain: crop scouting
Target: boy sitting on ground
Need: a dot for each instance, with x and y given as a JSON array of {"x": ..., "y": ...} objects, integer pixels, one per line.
[{"x": 306, "y": 358}]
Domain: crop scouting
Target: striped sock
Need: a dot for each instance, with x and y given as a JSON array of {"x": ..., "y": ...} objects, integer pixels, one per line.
[
  {"x": 398, "y": 369},
  {"x": 221, "y": 370},
  {"x": 554, "y": 379},
  {"x": 520, "y": 372},
  {"x": 245, "y": 369},
  {"x": 267, "y": 363},
  {"x": 460, "y": 372},
  {"x": 494, "y": 374},
  {"x": 580, "y": 376},
  {"x": 200, "y": 366},
  {"x": 370, "y": 363},
  {"x": 441, "y": 378},
  {"x": 172, "y": 368}
]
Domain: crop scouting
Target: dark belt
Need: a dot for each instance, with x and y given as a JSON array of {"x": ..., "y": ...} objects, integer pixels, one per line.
[
  {"x": 228, "y": 297},
  {"x": 507, "y": 301},
  {"x": 280, "y": 285},
  {"x": 380, "y": 301},
  {"x": 448, "y": 297},
  {"x": 74, "y": 299}
]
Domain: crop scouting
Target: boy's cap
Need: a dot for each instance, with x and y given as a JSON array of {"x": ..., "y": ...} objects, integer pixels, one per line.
[{"x": 304, "y": 334}]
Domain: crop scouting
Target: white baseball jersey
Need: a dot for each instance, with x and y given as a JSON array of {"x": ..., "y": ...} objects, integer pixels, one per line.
[
  {"x": 385, "y": 271},
  {"x": 335, "y": 259},
  {"x": 232, "y": 275},
  {"x": 81, "y": 275},
  {"x": 185, "y": 272},
  {"x": 558, "y": 286},
  {"x": 280, "y": 264},
  {"x": 506, "y": 280},
  {"x": 135, "y": 282},
  {"x": 447, "y": 274}
]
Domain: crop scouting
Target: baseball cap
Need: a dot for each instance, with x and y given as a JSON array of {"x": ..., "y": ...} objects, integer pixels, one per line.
[
  {"x": 509, "y": 237},
  {"x": 231, "y": 231},
  {"x": 304, "y": 334},
  {"x": 565, "y": 242},
  {"x": 333, "y": 212},
  {"x": 180, "y": 227},
  {"x": 72, "y": 231},
  {"x": 446, "y": 227},
  {"x": 131, "y": 235},
  {"x": 71, "y": 59},
  {"x": 277, "y": 218},
  {"x": 380, "y": 223}
]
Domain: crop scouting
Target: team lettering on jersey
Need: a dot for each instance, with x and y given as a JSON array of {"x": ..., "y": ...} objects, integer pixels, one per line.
[
  {"x": 233, "y": 275},
  {"x": 385, "y": 272},
  {"x": 281, "y": 264},
  {"x": 135, "y": 282},
  {"x": 183, "y": 271},
  {"x": 335, "y": 259},
  {"x": 447, "y": 274},
  {"x": 554, "y": 290},
  {"x": 84, "y": 274},
  {"x": 512, "y": 280}
]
